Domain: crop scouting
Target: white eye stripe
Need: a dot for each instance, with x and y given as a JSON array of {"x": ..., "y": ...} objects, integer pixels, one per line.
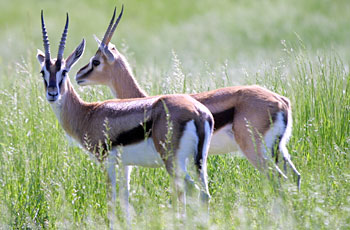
[
  {"x": 46, "y": 74},
  {"x": 60, "y": 76},
  {"x": 89, "y": 65}
]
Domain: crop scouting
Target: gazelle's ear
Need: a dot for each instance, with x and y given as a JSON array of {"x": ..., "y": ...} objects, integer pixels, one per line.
[
  {"x": 109, "y": 55},
  {"x": 41, "y": 57},
  {"x": 97, "y": 40},
  {"x": 75, "y": 56}
]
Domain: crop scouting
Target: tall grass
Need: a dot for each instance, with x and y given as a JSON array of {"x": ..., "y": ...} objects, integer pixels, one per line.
[
  {"x": 48, "y": 184},
  {"x": 187, "y": 47}
]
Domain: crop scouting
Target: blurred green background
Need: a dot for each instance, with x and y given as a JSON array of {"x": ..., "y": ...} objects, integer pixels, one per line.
[{"x": 206, "y": 32}]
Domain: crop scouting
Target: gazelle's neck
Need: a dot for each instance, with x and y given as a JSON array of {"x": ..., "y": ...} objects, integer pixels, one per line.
[
  {"x": 122, "y": 82},
  {"x": 70, "y": 111}
]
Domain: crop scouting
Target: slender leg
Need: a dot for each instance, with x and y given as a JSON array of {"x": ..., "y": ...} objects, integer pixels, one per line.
[
  {"x": 124, "y": 193},
  {"x": 265, "y": 157},
  {"x": 181, "y": 193},
  {"x": 204, "y": 195},
  {"x": 111, "y": 164},
  {"x": 286, "y": 158},
  {"x": 182, "y": 181},
  {"x": 170, "y": 167},
  {"x": 253, "y": 148},
  {"x": 203, "y": 175}
]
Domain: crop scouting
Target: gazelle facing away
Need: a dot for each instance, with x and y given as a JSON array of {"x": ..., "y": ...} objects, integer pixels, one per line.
[
  {"x": 249, "y": 118},
  {"x": 118, "y": 127}
]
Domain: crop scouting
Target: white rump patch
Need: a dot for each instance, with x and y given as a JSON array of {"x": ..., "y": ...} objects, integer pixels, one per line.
[
  {"x": 203, "y": 173},
  {"x": 286, "y": 136},
  {"x": 273, "y": 133},
  {"x": 188, "y": 146},
  {"x": 207, "y": 138}
]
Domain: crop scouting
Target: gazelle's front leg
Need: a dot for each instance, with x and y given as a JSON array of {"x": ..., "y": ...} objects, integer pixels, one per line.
[
  {"x": 124, "y": 188},
  {"x": 112, "y": 183}
]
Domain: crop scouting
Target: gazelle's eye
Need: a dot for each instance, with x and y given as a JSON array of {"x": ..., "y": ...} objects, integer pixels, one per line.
[{"x": 95, "y": 62}]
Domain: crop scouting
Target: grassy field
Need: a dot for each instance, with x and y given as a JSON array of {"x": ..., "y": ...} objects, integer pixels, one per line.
[{"x": 300, "y": 49}]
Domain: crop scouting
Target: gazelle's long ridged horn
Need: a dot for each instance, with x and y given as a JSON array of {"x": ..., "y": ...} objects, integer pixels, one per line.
[
  {"x": 63, "y": 40},
  {"x": 114, "y": 26},
  {"x": 105, "y": 37},
  {"x": 45, "y": 38}
]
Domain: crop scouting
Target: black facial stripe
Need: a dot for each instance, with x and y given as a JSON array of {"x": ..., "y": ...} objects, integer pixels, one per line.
[
  {"x": 60, "y": 84},
  {"x": 89, "y": 71},
  {"x": 223, "y": 118},
  {"x": 45, "y": 83},
  {"x": 84, "y": 67}
]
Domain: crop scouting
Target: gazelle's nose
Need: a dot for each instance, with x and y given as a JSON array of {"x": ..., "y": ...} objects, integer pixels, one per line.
[
  {"x": 53, "y": 94},
  {"x": 52, "y": 91}
]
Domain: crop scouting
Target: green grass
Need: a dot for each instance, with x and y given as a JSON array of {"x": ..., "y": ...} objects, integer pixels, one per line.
[{"x": 187, "y": 46}]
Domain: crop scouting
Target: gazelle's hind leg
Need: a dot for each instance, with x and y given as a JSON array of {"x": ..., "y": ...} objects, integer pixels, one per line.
[
  {"x": 273, "y": 136},
  {"x": 187, "y": 149},
  {"x": 194, "y": 143},
  {"x": 286, "y": 159},
  {"x": 285, "y": 134},
  {"x": 201, "y": 163},
  {"x": 250, "y": 142},
  {"x": 176, "y": 155}
]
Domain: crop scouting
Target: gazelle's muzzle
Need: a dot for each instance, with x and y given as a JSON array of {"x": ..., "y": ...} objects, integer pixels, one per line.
[
  {"x": 80, "y": 78},
  {"x": 52, "y": 93}
]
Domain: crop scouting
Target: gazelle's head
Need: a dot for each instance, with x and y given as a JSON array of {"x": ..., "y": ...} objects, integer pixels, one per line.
[
  {"x": 99, "y": 67},
  {"x": 55, "y": 71}
]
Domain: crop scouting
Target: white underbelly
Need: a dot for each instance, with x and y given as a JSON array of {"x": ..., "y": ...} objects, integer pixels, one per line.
[
  {"x": 223, "y": 141},
  {"x": 141, "y": 154}
]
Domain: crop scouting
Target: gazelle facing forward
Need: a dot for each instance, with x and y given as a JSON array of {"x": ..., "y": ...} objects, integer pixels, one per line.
[
  {"x": 249, "y": 118},
  {"x": 118, "y": 127}
]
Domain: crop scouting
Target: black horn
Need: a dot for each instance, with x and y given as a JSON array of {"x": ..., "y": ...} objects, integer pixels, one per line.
[
  {"x": 63, "y": 40},
  {"x": 115, "y": 26},
  {"x": 105, "y": 37},
  {"x": 45, "y": 38}
]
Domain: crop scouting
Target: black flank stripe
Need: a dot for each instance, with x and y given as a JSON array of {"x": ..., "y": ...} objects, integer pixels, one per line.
[
  {"x": 134, "y": 135},
  {"x": 223, "y": 118}
]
